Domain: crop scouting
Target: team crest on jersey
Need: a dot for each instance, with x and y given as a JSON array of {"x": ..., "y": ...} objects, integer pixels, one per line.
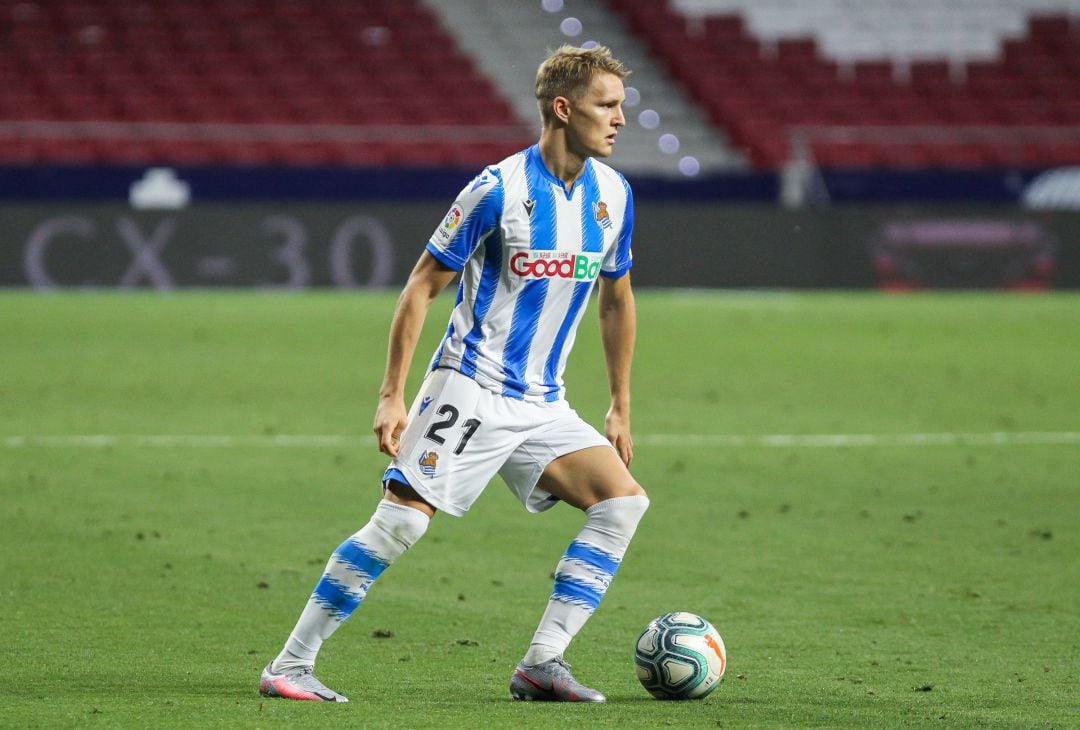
[
  {"x": 602, "y": 216},
  {"x": 450, "y": 223},
  {"x": 428, "y": 462}
]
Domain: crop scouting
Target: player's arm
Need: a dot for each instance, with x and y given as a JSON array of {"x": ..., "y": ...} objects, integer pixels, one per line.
[
  {"x": 428, "y": 278},
  {"x": 618, "y": 329}
]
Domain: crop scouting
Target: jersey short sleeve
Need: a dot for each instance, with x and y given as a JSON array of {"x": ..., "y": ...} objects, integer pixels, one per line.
[
  {"x": 620, "y": 257},
  {"x": 474, "y": 214}
]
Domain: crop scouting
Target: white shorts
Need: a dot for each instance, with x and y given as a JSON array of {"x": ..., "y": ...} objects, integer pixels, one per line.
[{"x": 461, "y": 434}]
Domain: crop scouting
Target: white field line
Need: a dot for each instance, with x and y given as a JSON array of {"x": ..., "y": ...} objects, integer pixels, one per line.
[
  {"x": 836, "y": 440},
  {"x": 186, "y": 440}
]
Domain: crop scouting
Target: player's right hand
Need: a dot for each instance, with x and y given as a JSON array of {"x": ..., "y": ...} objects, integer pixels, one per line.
[{"x": 391, "y": 418}]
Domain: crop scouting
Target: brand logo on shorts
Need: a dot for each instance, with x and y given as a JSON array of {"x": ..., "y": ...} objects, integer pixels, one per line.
[
  {"x": 428, "y": 461},
  {"x": 425, "y": 403},
  {"x": 556, "y": 265}
]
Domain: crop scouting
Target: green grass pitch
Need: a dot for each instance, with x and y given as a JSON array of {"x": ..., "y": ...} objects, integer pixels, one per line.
[{"x": 875, "y": 499}]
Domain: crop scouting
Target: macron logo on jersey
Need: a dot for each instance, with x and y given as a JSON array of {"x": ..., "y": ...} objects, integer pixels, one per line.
[
  {"x": 480, "y": 180},
  {"x": 556, "y": 265}
]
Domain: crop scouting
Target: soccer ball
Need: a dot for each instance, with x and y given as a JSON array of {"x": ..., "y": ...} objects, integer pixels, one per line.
[{"x": 680, "y": 656}]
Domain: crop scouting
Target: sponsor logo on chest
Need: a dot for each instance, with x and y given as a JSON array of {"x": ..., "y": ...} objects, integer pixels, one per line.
[{"x": 556, "y": 265}]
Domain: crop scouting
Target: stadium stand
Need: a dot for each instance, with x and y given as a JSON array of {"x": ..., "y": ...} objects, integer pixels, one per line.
[
  {"x": 907, "y": 84},
  {"x": 845, "y": 83},
  {"x": 508, "y": 39},
  {"x": 242, "y": 82}
]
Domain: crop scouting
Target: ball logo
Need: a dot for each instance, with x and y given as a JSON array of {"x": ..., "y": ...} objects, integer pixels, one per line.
[
  {"x": 555, "y": 265},
  {"x": 715, "y": 646}
]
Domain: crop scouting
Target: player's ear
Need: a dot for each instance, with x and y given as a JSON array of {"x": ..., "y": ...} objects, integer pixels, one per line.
[{"x": 561, "y": 107}]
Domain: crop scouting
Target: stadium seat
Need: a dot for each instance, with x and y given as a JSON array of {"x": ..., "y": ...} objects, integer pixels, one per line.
[
  {"x": 777, "y": 65},
  {"x": 205, "y": 62},
  {"x": 758, "y": 69}
]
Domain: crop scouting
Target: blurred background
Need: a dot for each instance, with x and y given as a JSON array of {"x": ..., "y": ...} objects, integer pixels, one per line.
[{"x": 855, "y": 144}]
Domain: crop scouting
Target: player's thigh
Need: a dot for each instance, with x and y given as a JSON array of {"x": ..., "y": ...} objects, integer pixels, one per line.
[
  {"x": 587, "y": 476},
  {"x": 400, "y": 493}
]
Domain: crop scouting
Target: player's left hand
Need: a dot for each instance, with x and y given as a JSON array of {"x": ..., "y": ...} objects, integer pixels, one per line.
[
  {"x": 617, "y": 431},
  {"x": 390, "y": 420}
]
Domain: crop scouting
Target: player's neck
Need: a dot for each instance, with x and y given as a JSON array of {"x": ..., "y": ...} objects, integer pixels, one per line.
[{"x": 559, "y": 160}]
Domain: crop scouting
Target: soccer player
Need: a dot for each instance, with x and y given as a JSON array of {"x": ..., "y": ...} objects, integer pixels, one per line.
[{"x": 530, "y": 236}]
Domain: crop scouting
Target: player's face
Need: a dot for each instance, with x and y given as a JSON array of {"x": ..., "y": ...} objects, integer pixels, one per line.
[{"x": 595, "y": 118}]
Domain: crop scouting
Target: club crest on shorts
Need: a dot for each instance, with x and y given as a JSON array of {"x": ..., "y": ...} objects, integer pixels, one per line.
[{"x": 428, "y": 461}]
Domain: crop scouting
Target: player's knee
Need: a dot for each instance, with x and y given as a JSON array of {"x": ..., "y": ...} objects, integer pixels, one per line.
[
  {"x": 628, "y": 488},
  {"x": 636, "y": 490},
  {"x": 619, "y": 515},
  {"x": 403, "y": 524}
]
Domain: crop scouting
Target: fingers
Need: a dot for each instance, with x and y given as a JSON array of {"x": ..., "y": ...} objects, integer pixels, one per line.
[
  {"x": 390, "y": 420},
  {"x": 388, "y": 437},
  {"x": 617, "y": 430},
  {"x": 624, "y": 446},
  {"x": 388, "y": 446}
]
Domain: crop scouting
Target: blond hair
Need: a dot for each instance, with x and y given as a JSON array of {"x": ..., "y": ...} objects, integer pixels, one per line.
[{"x": 569, "y": 70}]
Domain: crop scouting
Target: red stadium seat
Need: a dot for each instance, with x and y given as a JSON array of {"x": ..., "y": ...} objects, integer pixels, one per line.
[
  {"x": 719, "y": 28},
  {"x": 240, "y": 63},
  {"x": 757, "y": 95},
  {"x": 372, "y": 63}
]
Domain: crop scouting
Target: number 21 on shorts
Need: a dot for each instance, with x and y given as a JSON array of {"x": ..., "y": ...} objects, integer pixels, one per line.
[{"x": 450, "y": 416}]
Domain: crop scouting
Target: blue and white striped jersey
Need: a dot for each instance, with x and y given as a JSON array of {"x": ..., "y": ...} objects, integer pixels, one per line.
[{"x": 529, "y": 253}]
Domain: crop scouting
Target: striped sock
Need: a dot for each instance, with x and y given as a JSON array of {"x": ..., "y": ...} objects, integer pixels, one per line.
[
  {"x": 584, "y": 573},
  {"x": 353, "y": 567}
]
